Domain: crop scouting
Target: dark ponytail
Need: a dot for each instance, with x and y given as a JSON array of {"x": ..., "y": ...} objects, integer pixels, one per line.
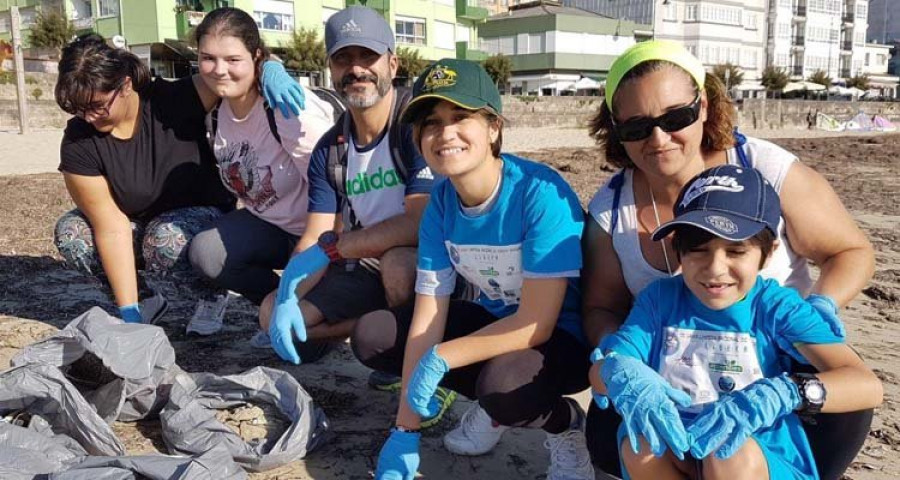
[{"x": 89, "y": 66}]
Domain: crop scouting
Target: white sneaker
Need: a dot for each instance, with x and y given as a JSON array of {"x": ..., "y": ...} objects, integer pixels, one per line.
[
  {"x": 261, "y": 340},
  {"x": 476, "y": 434},
  {"x": 208, "y": 317},
  {"x": 569, "y": 457}
]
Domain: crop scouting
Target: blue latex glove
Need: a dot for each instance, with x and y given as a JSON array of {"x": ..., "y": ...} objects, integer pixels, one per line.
[
  {"x": 287, "y": 320},
  {"x": 399, "y": 457},
  {"x": 282, "y": 91},
  {"x": 131, "y": 313},
  {"x": 601, "y": 400},
  {"x": 725, "y": 425},
  {"x": 828, "y": 309},
  {"x": 647, "y": 404},
  {"x": 424, "y": 382}
]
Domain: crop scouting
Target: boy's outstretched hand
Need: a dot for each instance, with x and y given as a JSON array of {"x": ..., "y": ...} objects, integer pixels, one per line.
[
  {"x": 647, "y": 404},
  {"x": 725, "y": 425}
]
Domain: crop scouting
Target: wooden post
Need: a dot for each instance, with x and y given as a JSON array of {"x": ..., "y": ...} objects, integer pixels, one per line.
[{"x": 19, "y": 68}]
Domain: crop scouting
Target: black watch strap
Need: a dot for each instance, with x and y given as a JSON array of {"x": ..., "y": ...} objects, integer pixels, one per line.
[{"x": 812, "y": 393}]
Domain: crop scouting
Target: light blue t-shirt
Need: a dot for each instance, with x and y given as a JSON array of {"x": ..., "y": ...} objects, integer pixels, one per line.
[
  {"x": 666, "y": 313},
  {"x": 532, "y": 230}
]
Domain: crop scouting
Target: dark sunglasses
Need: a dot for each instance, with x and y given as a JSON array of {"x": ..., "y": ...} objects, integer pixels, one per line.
[{"x": 671, "y": 121}]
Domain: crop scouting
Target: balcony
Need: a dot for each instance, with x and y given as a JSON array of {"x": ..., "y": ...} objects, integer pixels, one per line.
[
  {"x": 847, "y": 45},
  {"x": 800, "y": 11},
  {"x": 463, "y": 52},
  {"x": 799, "y": 41},
  {"x": 185, "y": 21},
  {"x": 845, "y": 73},
  {"x": 469, "y": 10},
  {"x": 797, "y": 70},
  {"x": 382, "y": 6},
  {"x": 848, "y": 18}
]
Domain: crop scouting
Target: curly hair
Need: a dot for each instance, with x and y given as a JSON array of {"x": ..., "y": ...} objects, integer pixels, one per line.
[
  {"x": 89, "y": 66},
  {"x": 717, "y": 130}
]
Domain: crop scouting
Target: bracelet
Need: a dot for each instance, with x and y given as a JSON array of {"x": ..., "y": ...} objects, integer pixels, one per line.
[{"x": 405, "y": 430}]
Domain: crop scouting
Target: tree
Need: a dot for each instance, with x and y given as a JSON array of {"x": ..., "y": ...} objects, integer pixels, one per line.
[
  {"x": 821, "y": 77},
  {"x": 305, "y": 51},
  {"x": 859, "y": 81},
  {"x": 51, "y": 29},
  {"x": 774, "y": 78},
  {"x": 411, "y": 63},
  {"x": 499, "y": 68},
  {"x": 730, "y": 75}
]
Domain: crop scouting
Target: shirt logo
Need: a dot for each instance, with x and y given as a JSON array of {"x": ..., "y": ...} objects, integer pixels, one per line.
[
  {"x": 425, "y": 174},
  {"x": 709, "y": 184},
  {"x": 440, "y": 77},
  {"x": 365, "y": 183},
  {"x": 722, "y": 224}
]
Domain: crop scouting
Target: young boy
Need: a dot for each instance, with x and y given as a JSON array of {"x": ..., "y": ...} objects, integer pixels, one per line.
[{"x": 699, "y": 365}]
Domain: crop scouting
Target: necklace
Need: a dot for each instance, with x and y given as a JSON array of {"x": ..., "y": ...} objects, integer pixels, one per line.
[{"x": 662, "y": 241}]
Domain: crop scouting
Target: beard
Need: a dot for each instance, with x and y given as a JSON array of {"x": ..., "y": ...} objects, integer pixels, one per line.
[{"x": 362, "y": 100}]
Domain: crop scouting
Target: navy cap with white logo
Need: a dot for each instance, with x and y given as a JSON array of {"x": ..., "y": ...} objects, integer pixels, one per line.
[
  {"x": 358, "y": 26},
  {"x": 731, "y": 202}
]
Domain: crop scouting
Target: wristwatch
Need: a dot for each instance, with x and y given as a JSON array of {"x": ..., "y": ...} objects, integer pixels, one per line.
[
  {"x": 812, "y": 393},
  {"x": 328, "y": 242}
]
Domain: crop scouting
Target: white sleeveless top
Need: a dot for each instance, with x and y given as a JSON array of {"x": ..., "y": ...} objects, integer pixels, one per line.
[{"x": 772, "y": 161}]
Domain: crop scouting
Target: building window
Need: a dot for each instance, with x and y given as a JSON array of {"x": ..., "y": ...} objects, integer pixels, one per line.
[
  {"x": 690, "y": 13},
  {"x": 4, "y": 23},
  {"x": 280, "y": 22},
  {"x": 862, "y": 10},
  {"x": 669, "y": 12},
  {"x": 109, "y": 8},
  {"x": 410, "y": 30},
  {"x": 750, "y": 21},
  {"x": 444, "y": 35}
]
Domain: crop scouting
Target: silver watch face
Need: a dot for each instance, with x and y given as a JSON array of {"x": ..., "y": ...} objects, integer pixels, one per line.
[{"x": 814, "y": 391}]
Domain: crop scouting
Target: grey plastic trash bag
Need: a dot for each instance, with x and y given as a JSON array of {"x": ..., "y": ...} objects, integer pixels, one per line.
[
  {"x": 216, "y": 464},
  {"x": 123, "y": 369},
  {"x": 25, "y": 453},
  {"x": 54, "y": 404},
  {"x": 189, "y": 424}
]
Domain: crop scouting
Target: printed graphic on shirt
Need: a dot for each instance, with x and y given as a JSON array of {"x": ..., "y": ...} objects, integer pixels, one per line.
[
  {"x": 365, "y": 182},
  {"x": 706, "y": 363},
  {"x": 496, "y": 271},
  {"x": 240, "y": 174}
]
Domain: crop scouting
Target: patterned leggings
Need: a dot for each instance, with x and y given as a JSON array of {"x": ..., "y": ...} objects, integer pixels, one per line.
[{"x": 159, "y": 244}]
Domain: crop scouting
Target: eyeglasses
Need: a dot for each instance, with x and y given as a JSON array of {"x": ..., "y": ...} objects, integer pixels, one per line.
[
  {"x": 102, "y": 111},
  {"x": 671, "y": 121}
]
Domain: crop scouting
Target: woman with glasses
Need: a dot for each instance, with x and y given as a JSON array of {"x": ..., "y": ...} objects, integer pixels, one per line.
[
  {"x": 664, "y": 121},
  {"x": 137, "y": 163}
]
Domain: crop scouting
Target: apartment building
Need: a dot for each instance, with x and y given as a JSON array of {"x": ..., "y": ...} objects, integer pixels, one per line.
[
  {"x": 801, "y": 36},
  {"x": 552, "y": 46},
  {"x": 157, "y": 30},
  {"x": 876, "y": 58}
]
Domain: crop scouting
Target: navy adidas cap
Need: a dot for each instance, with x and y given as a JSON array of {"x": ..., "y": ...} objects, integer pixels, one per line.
[
  {"x": 731, "y": 202},
  {"x": 359, "y": 26}
]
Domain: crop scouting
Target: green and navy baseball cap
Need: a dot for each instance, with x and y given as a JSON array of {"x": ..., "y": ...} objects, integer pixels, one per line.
[{"x": 461, "y": 82}]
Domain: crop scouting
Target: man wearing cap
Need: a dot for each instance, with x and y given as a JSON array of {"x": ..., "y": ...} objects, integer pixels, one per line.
[{"x": 363, "y": 220}]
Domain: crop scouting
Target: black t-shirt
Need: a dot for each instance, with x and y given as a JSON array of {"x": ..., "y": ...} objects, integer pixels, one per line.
[{"x": 167, "y": 165}]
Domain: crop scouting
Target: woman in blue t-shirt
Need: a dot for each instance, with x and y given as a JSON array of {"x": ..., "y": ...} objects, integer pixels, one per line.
[{"x": 510, "y": 228}]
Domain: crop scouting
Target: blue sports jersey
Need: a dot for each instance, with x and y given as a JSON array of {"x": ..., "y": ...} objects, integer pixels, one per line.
[
  {"x": 532, "y": 230},
  {"x": 373, "y": 185},
  {"x": 775, "y": 317}
]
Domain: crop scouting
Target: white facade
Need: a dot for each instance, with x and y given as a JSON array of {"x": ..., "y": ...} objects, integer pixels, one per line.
[
  {"x": 811, "y": 35},
  {"x": 801, "y": 36}
]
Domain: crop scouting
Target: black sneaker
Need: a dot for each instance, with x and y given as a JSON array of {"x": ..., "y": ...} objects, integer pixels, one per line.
[{"x": 384, "y": 381}]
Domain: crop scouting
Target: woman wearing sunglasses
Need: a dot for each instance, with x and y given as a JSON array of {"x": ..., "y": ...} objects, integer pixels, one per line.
[
  {"x": 663, "y": 122},
  {"x": 138, "y": 166}
]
